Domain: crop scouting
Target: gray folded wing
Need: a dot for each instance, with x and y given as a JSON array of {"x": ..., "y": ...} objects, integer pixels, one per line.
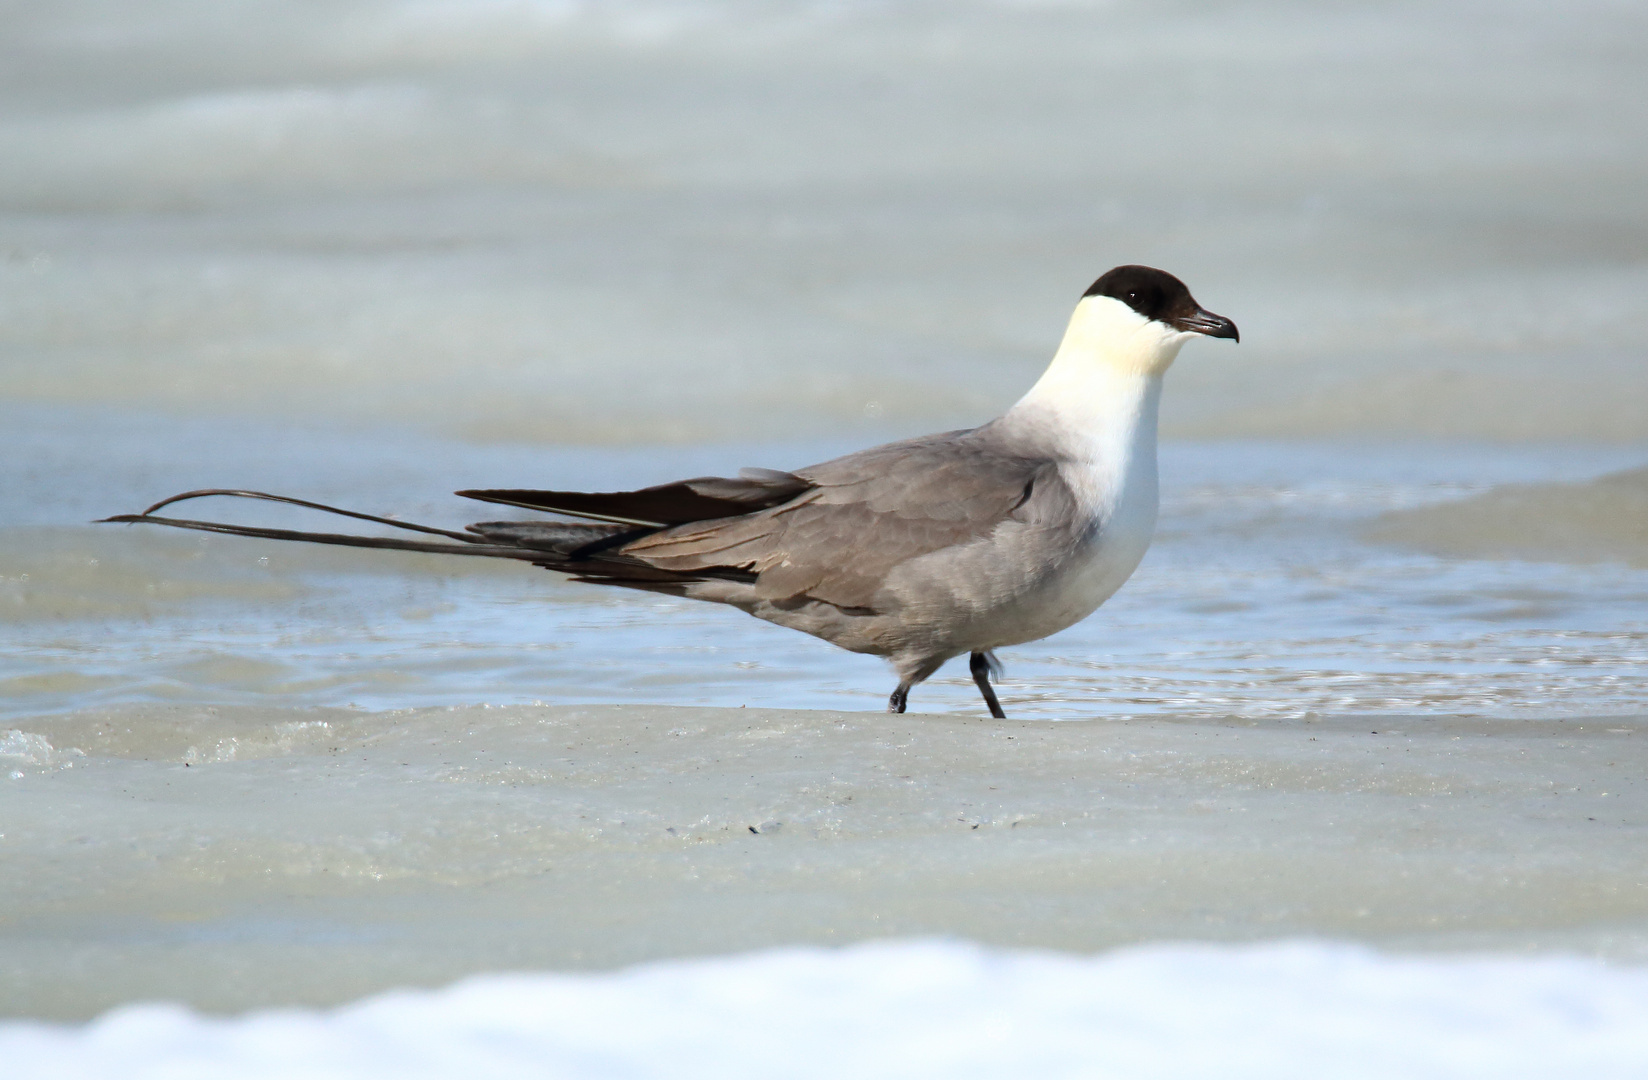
[{"x": 867, "y": 513}]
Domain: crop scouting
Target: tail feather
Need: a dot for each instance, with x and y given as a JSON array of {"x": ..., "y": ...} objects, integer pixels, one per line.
[
  {"x": 237, "y": 493},
  {"x": 469, "y": 547},
  {"x": 582, "y": 550},
  {"x": 575, "y": 541}
]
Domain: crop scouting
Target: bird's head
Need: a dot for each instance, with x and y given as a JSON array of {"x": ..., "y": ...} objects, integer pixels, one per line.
[{"x": 1139, "y": 317}]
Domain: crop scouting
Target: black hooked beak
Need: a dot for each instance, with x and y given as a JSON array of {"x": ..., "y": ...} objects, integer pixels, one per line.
[{"x": 1205, "y": 322}]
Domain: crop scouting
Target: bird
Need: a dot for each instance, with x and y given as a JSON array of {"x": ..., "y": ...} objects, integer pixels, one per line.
[{"x": 917, "y": 551}]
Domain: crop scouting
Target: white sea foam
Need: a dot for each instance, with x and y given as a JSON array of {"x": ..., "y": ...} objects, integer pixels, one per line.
[{"x": 890, "y": 1009}]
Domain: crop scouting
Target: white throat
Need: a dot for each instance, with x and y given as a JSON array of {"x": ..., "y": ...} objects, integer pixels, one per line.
[
  {"x": 1095, "y": 408},
  {"x": 1100, "y": 394}
]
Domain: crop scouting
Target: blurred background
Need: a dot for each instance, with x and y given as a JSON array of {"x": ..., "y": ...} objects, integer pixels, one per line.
[{"x": 625, "y": 221}]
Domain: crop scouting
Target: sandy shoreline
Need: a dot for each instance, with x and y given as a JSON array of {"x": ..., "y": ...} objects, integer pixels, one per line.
[{"x": 231, "y": 858}]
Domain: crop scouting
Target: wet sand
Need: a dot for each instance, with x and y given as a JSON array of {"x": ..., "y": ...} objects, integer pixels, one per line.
[
  {"x": 231, "y": 858},
  {"x": 1602, "y": 520}
]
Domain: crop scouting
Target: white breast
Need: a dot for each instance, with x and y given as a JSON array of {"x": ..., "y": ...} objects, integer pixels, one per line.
[
  {"x": 1093, "y": 412},
  {"x": 1121, "y": 519},
  {"x": 1122, "y": 528},
  {"x": 1096, "y": 411}
]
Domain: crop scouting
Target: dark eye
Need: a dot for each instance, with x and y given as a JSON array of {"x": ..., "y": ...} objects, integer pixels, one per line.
[{"x": 1133, "y": 296}]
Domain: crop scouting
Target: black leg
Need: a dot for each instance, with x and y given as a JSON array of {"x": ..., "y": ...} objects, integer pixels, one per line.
[
  {"x": 980, "y": 665},
  {"x": 900, "y": 698}
]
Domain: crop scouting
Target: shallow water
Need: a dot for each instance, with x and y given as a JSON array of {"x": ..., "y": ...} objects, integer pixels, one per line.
[{"x": 1263, "y": 596}]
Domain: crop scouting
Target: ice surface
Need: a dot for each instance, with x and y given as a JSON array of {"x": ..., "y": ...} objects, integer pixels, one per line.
[
  {"x": 235, "y": 857},
  {"x": 892, "y": 1009}
]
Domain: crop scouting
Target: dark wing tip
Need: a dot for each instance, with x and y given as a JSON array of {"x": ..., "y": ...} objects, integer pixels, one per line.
[{"x": 699, "y": 499}]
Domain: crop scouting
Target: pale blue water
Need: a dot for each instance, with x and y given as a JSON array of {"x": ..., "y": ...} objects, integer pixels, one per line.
[{"x": 1258, "y": 599}]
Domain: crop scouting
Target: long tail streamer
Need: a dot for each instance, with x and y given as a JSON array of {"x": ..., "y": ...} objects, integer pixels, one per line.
[{"x": 468, "y": 545}]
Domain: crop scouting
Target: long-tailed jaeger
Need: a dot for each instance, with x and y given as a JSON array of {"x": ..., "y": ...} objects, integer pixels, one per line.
[{"x": 917, "y": 551}]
